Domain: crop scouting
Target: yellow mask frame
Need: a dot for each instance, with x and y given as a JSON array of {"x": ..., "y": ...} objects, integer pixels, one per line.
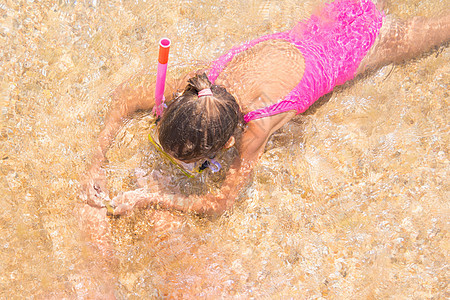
[{"x": 209, "y": 163}]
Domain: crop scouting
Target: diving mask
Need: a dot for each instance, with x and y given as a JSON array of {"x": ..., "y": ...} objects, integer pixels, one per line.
[{"x": 188, "y": 169}]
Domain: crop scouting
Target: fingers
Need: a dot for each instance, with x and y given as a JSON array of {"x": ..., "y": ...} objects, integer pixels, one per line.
[
  {"x": 122, "y": 209},
  {"x": 124, "y": 203},
  {"x": 94, "y": 194}
]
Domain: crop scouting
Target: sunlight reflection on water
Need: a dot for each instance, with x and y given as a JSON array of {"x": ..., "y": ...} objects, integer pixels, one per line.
[{"x": 349, "y": 201}]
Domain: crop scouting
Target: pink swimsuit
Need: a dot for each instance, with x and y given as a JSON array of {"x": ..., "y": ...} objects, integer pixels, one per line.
[{"x": 333, "y": 44}]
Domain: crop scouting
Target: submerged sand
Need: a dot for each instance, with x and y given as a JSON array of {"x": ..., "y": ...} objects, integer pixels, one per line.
[{"x": 349, "y": 201}]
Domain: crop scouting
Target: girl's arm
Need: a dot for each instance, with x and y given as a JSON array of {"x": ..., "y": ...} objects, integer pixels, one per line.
[
  {"x": 252, "y": 146},
  {"x": 131, "y": 96}
]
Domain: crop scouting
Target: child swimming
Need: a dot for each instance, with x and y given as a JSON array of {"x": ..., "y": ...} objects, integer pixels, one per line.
[{"x": 256, "y": 88}]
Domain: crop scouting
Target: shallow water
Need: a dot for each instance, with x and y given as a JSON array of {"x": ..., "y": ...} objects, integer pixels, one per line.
[{"x": 349, "y": 200}]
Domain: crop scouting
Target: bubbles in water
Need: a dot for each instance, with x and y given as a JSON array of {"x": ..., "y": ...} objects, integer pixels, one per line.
[{"x": 347, "y": 201}]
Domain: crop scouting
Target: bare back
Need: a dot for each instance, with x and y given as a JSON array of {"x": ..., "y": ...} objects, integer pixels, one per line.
[{"x": 263, "y": 74}]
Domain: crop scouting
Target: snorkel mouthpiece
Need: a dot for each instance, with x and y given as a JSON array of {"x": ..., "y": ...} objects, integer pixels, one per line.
[
  {"x": 212, "y": 164},
  {"x": 215, "y": 166}
]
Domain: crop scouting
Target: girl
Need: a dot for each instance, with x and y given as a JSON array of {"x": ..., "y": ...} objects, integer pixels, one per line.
[{"x": 256, "y": 88}]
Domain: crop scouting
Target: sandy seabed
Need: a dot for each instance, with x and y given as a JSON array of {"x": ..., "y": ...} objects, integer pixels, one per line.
[{"x": 350, "y": 200}]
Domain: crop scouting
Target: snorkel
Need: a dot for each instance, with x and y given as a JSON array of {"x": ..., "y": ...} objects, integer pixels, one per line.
[
  {"x": 190, "y": 170},
  {"x": 163, "y": 58}
]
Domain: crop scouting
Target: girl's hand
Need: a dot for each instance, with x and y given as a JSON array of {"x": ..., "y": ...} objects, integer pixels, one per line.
[
  {"x": 149, "y": 192},
  {"x": 94, "y": 188}
]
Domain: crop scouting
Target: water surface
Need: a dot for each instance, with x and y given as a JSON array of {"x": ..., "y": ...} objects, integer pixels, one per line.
[{"x": 349, "y": 200}]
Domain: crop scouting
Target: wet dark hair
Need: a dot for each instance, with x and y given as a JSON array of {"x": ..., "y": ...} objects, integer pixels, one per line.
[{"x": 194, "y": 127}]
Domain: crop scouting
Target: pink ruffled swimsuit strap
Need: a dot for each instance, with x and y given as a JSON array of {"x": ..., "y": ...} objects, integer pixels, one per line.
[{"x": 333, "y": 44}]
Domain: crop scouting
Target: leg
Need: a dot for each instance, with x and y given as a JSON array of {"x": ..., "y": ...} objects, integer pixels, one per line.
[
  {"x": 403, "y": 40},
  {"x": 380, "y": 4}
]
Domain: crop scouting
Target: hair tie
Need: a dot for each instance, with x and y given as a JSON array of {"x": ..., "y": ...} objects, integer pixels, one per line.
[{"x": 205, "y": 92}]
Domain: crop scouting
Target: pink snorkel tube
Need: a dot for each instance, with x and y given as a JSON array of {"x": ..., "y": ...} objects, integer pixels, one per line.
[{"x": 163, "y": 58}]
